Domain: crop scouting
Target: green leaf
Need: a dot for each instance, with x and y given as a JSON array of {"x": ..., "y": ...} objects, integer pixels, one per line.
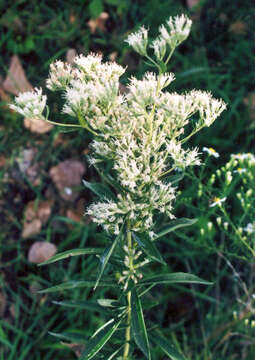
[
  {"x": 88, "y": 305},
  {"x": 69, "y": 337},
  {"x": 138, "y": 326},
  {"x": 175, "y": 224},
  {"x": 3, "y": 338},
  {"x": 175, "y": 178},
  {"x": 99, "y": 339},
  {"x": 99, "y": 189},
  {"x": 76, "y": 284},
  {"x": 112, "y": 356},
  {"x": 108, "y": 303},
  {"x": 149, "y": 248},
  {"x": 105, "y": 258},
  {"x": 74, "y": 252},
  {"x": 174, "y": 278},
  {"x": 96, "y": 7},
  {"x": 168, "y": 349}
]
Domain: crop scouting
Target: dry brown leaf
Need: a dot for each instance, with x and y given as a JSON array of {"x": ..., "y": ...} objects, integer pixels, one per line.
[
  {"x": 77, "y": 212},
  {"x": 238, "y": 27},
  {"x": 2, "y": 161},
  {"x": 67, "y": 175},
  {"x": 41, "y": 251},
  {"x": 16, "y": 80},
  {"x": 36, "y": 215},
  {"x": 5, "y": 97},
  {"x": 29, "y": 166},
  {"x": 12, "y": 310},
  {"x": 70, "y": 55},
  {"x": 37, "y": 126},
  {"x": 98, "y": 23},
  {"x": 250, "y": 102},
  {"x": 2, "y": 304},
  {"x": 192, "y": 3}
]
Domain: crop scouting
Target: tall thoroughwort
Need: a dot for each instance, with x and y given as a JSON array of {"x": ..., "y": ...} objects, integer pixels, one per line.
[{"x": 142, "y": 136}]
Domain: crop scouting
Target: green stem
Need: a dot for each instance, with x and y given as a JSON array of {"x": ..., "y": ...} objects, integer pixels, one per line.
[{"x": 128, "y": 328}]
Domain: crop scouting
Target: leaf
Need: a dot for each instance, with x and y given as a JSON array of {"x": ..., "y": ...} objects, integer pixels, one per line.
[
  {"x": 99, "y": 189},
  {"x": 174, "y": 278},
  {"x": 88, "y": 305},
  {"x": 16, "y": 80},
  {"x": 99, "y": 339},
  {"x": 36, "y": 215},
  {"x": 175, "y": 224},
  {"x": 41, "y": 251},
  {"x": 105, "y": 258},
  {"x": 96, "y": 7},
  {"x": 68, "y": 336},
  {"x": 37, "y": 126},
  {"x": 175, "y": 178},
  {"x": 76, "y": 284},
  {"x": 108, "y": 303},
  {"x": 168, "y": 349},
  {"x": 74, "y": 252},
  {"x": 66, "y": 176},
  {"x": 149, "y": 248},
  {"x": 138, "y": 325},
  {"x": 112, "y": 356}
]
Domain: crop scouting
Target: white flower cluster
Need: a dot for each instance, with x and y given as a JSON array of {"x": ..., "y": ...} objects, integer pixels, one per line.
[
  {"x": 142, "y": 132},
  {"x": 137, "y": 209},
  {"x": 139, "y": 41},
  {"x": 177, "y": 30},
  {"x": 60, "y": 76},
  {"x": 30, "y": 104}
]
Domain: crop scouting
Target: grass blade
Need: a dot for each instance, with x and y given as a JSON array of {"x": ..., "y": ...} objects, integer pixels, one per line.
[
  {"x": 167, "y": 348},
  {"x": 99, "y": 339},
  {"x": 174, "y": 278},
  {"x": 149, "y": 248},
  {"x": 76, "y": 284},
  {"x": 138, "y": 324},
  {"x": 74, "y": 252},
  {"x": 175, "y": 224}
]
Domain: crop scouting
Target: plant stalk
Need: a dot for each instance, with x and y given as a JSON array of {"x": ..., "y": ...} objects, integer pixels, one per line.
[{"x": 128, "y": 329}]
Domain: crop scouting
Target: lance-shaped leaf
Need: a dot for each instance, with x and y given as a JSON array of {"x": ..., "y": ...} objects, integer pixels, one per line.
[
  {"x": 88, "y": 305},
  {"x": 174, "y": 225},
  {"x": 138, "y": 326},
  {"x": 69, "y": 337},
  {"x": 76, "y": 284},
  {"x": 99, "y": 189},
  {"x": 174, "y": 278},
  {"x": 105, "y": 258},
  {"x": 108, "y": 303},
  {"x": 168, "y": 348},
  {"x": 74, "y": 252},
  {"x": 99, "y": 339},
  {"x": 149, "y": 248},
  {"x": 175, "y": 178}
]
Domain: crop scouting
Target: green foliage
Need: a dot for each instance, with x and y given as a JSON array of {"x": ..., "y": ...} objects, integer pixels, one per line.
[{"x": 216, "y": 59}]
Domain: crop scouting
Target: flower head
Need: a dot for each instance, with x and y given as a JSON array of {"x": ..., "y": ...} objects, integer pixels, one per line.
[
  {"x": 139, "y": 41},
  {"x": 177, "y": 30},
  {"x": 211, "y": 151},
  {"x": 30, "y": 104},
  {"x": 249, "y": 228},
  {"x": 217, "y": 201}
]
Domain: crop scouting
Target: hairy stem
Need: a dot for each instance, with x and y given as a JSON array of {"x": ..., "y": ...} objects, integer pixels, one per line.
[{"x": 128, "y": 329}]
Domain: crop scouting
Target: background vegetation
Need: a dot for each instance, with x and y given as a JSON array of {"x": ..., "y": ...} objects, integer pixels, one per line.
[{"x": 219, "y": 56}]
